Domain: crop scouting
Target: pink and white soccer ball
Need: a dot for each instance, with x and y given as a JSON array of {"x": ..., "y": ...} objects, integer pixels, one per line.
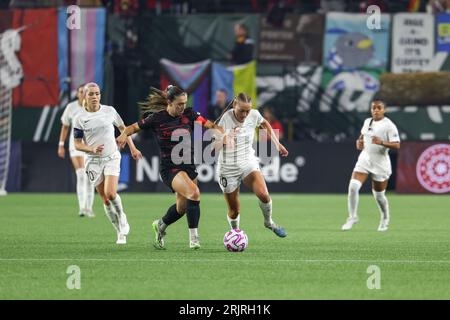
[{"x": 235, "y": 240}]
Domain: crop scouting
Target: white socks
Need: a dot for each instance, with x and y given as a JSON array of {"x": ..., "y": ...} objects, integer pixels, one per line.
[
  {"x": 234, "y": 223},
  {"x": 353, "y": 197},
  {"x": 81, "y": 194},
  {"x": 117, "y": 203},
  {"x": 266, "y": 209},
  {"x": 193, "y": 233},
  {"x": 89, "y": 194},
  {"x": 85, "y": 191},
  {"x": 112, "y": 216},
  {"x": 382, "y": 203}
]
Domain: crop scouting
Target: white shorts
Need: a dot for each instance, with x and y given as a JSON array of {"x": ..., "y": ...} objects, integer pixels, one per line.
[
  {"x": 99, "y": 167},
  {"x": 76, "y": 153},
  {"x": 364, "y": 166},
  {"x": 230, "y": 180}
]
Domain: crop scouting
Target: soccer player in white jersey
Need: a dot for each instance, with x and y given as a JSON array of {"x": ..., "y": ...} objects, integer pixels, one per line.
[
  {"x": 85, "y": 189},
  {"x": 94, "y": 134},
  {"x": 238, "y": 163},
  {"x": 378, "y": 135}
]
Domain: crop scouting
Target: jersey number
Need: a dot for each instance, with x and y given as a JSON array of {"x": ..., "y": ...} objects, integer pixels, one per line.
[{"x": 90, "y": 175}]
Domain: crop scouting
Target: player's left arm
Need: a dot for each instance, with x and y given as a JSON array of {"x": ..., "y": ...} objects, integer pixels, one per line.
[
  {"x": 392, "y": 142},
  {"x": 386, "y": 144},
  {"x": 265, "y": 125}
]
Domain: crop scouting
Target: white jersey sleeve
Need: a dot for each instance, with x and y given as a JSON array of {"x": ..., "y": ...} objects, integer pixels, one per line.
[
  {"x": 65, "y": 118},
  {"x": 392, "y": 133},
  {"x": 78, "y": 124},
  {"x": 117, "y": 119},
  {"x": 259, "y": 117}
]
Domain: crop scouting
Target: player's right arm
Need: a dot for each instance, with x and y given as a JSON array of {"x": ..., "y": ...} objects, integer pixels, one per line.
[
  {"x": 128, "y": 131},
  {"x": 62, "y": 138},
  {"x": 65, "y": 127},
  {"x": 360, "y": 143}
]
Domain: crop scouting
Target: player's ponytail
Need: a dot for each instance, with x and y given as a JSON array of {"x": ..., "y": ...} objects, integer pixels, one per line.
[
  {"x": 158, "y": 100},
  {"x": 228, "y": 107}
]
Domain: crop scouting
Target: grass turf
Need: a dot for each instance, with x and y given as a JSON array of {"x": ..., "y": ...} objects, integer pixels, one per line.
[{"x": 41, "y": 236}]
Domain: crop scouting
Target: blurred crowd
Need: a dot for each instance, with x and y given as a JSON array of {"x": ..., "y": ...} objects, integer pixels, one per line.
[{"x": 133, "y": 7}]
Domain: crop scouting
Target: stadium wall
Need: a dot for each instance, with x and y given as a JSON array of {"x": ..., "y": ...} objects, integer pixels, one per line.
[{"x": 310, "y": 168}]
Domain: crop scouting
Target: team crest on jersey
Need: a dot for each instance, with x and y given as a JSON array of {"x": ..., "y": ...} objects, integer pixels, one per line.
[{"x": 433, "y": 168}]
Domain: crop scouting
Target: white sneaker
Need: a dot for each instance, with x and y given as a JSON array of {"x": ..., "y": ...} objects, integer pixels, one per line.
[
  {"x": 349, "y": 224},
  {"x": 89, "y": 213},
  {"x": 121, "y": 238},
  {"x": 194, "y": 243},
  {"x": 384, "y": 224},
  {"x": 124, "y": 226}
]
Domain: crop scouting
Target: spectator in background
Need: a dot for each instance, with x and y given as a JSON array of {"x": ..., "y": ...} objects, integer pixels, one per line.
[
  {"x": 243, "y": 47},
  {"x": 216, "y": 109},
  {"x": 274, "y": 123}
]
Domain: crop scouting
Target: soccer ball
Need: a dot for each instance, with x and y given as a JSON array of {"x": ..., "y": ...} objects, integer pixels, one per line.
[{"x": 235, "y": 240}]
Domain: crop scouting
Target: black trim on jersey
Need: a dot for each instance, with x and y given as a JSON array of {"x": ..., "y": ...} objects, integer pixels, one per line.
[{"x": 78, "y": 133}]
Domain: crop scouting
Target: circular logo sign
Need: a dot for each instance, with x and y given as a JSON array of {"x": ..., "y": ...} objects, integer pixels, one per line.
[{"x": 433, "y": 168}]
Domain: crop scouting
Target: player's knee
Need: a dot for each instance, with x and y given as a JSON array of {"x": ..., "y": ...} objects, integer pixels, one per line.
[
  {"x": 263, "y": 195},
  {"x": 111, "y": 195},
  {"x": 181, "y": 209},
  {"x": 194, "y": 194},
  {"x": 354, "y": 186},
  {"x": 105, "y": 200}
]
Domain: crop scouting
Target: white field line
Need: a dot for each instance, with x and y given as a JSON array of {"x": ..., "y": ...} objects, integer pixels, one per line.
[{"x": 228, "y": 260}]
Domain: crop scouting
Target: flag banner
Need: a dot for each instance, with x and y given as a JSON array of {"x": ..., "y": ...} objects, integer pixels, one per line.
[
  {"x": 87, "y": 48},
  {"x": 443, "y": 32},
  {"x": 412, "y": 42},
  {"x": 63, "y": 47},
  {"x": 39, "y": 58},
  {"x": 354, "y": 56},
  {"x": 235, "y": 79},
  {"x": 192, "y": 77}
]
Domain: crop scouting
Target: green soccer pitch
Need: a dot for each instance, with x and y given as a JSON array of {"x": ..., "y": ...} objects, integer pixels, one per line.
[{"x": 41, "y": 235}]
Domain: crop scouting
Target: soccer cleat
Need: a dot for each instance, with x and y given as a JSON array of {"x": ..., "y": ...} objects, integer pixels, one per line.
[
  {"x": 81, "y": 214},
  {"x": 124, "y": 226},
  {"x": 384, "y": 223},
  {"x": 159, "y": 236},
  {"x": 89, "y": 214},
  {"x": 278, "y": 230},
  {"x": 349, "y": 223},
  {"x": 121, "y": 238},
  {"x": 194, "y": 243}
]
